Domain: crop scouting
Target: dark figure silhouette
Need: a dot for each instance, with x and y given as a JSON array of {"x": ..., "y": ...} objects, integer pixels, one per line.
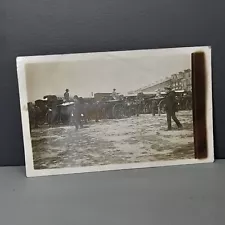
[{"x": 171, "y": 108}]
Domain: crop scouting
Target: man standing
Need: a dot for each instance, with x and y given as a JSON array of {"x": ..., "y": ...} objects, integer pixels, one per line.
[
  {"x": 67, "y": 95},
  {"x": 170, "y": 101},
  {"x": 77, "y": 113}
]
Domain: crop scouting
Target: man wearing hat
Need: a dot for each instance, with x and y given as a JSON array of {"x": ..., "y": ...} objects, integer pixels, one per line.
[
  {"x": 67, "y": 95},
  {"x": 170, "y": 101}
]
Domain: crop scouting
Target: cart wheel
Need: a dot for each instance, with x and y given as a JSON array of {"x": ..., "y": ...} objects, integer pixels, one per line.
[
  {"x": 162, "y": 107},
  {"x": 118, "y": 111}
]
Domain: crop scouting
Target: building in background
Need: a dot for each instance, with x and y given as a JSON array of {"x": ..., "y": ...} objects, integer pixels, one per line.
[
  {"x": 182, "y": 80},
  {"x": 178, "y": 81},
  {"x": 156, "y": 86}
]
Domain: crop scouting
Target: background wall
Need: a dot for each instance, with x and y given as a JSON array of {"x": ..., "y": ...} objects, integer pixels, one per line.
[{"x": 55, "y": 26}]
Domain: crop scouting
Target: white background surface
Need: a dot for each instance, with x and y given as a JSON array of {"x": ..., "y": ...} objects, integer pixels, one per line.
[{"x": 186, "y": 195}]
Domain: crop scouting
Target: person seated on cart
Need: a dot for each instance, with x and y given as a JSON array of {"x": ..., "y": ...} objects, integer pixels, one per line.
[
  {"x": 115, "y": 95},
  {"x": 67, "y": 96}
]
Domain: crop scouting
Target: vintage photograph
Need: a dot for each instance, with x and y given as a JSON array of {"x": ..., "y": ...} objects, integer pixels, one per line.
[{"x": 109, "y": 108}]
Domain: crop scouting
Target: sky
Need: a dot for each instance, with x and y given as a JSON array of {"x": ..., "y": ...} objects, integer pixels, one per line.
[{"x": 101, "y": 74}]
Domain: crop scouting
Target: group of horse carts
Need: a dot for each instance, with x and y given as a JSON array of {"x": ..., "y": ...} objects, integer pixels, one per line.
[{"x": 52, "y": 110}]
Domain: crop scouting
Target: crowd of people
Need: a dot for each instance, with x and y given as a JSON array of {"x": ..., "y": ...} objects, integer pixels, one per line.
[{"x": 170, "y": 104}]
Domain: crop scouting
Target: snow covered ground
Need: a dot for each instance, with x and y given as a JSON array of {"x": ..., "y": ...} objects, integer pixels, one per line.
[{"x": 135, "y": 139}]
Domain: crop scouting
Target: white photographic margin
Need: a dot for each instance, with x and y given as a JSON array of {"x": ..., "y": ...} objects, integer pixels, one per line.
[{"x": 21, "y": 73}]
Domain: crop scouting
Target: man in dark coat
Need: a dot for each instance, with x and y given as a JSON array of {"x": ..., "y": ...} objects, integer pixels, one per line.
[
  {"x": 52, "y": 114},
  {"x": 170, "y": 101},
  {"x": 77, "y": 113},
  {"x": 83, "y": 109}
]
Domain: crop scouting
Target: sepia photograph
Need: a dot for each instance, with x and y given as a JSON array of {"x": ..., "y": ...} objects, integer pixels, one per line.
[{"x": 105, "y": 111}]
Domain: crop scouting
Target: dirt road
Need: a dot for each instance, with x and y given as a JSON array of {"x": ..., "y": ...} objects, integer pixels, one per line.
[{"x": 135, "y": 139}]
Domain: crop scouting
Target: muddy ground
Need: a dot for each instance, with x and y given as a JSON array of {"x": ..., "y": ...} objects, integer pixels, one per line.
[{"x": 135, "y": 139}]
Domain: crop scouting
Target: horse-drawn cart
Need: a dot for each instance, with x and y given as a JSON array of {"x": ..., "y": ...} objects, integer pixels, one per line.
[
  {"x": 156, "y": 103},
  {"x": 114, "y": 109}
]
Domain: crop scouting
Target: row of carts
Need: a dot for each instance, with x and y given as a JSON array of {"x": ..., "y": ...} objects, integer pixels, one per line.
[
  {"x": 146, "y": 103},
  {"x": 107, "y": 107}
]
